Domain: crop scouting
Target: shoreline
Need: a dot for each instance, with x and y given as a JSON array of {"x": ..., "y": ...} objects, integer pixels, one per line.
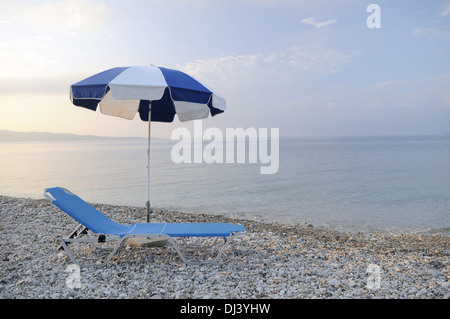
[
  {"x": 273, "y": 260},
  {"x": 218, "y": 217}
]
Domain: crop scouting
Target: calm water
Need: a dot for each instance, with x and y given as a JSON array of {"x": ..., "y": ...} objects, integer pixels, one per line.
[{"x": 359, "y": 184}]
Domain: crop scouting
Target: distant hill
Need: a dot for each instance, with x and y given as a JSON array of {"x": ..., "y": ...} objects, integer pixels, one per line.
[{"x": 14, "y": 136}]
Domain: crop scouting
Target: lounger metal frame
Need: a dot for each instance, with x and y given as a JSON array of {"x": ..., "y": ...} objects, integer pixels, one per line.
[{"x": 80, "y": 231}]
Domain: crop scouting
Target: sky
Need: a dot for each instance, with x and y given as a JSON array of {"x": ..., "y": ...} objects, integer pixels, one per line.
[{"x": 309, "y": 68}]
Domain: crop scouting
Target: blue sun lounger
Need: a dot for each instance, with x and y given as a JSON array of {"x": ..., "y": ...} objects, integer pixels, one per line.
[{"x": 93, "y": 221}]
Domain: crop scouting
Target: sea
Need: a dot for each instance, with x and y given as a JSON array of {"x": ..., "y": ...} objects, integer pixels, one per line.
[{"x": 385, "y": 184}]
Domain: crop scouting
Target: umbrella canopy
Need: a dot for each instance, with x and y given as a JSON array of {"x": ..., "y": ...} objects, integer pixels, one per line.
[
  {"x": 157, "y": 93},
  {"x": 124, "y": 91}
]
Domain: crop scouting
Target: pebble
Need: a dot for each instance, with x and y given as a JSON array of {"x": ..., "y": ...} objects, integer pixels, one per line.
[
  {"x": 412, "y": 291},
  {"x": 272, "y": 260}
]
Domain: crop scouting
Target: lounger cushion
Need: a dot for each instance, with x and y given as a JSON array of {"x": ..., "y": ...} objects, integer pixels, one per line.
[{"x": 187, "y": 229}]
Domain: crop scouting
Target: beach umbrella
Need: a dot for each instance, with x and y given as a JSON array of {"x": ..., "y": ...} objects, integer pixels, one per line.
[{"x": 156, "y": 93}]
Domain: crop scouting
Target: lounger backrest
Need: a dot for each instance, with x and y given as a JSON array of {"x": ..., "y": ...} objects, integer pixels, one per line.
[{"x": 84, "y": 213}]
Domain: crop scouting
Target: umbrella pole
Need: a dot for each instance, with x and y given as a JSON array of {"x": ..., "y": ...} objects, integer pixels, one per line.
[
  {"x": 148, "y": 162},
  {"x": 142, "y": 241}
]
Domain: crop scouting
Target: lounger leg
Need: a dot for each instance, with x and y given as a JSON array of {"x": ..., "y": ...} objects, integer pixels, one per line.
[
  {"x": 205, "y": 247},
  {"x": 68, "y": 251},
  {"x": 78, "y": 231},
  {"x": 198, "y": 262},
  {"x": 116, "y": 248},
  {"x": 65, "y": 241}
]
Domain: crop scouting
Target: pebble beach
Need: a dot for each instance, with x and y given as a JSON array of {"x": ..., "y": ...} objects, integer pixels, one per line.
[{"x": 272, "y": 260}]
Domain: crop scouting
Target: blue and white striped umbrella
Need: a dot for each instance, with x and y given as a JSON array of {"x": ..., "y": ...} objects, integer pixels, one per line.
[
  {"x": 124, "y": 91},
  {"x": 158, "y": 91}
]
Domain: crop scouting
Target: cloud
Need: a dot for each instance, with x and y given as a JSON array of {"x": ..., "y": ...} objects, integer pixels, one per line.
[
  {"x": 282, "y": 64},
  {"x": 287, "y": 78},
  {"x": 390, "y": 84},
  {"x": 445, "y": 10},
  {"x": 312, "y": 21},
  {"x": 434, "y": 33},
  {"x": 55, "y": 84},
  {"x": 37, "y": 56},
  {"x": 67, "y": 15}
]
